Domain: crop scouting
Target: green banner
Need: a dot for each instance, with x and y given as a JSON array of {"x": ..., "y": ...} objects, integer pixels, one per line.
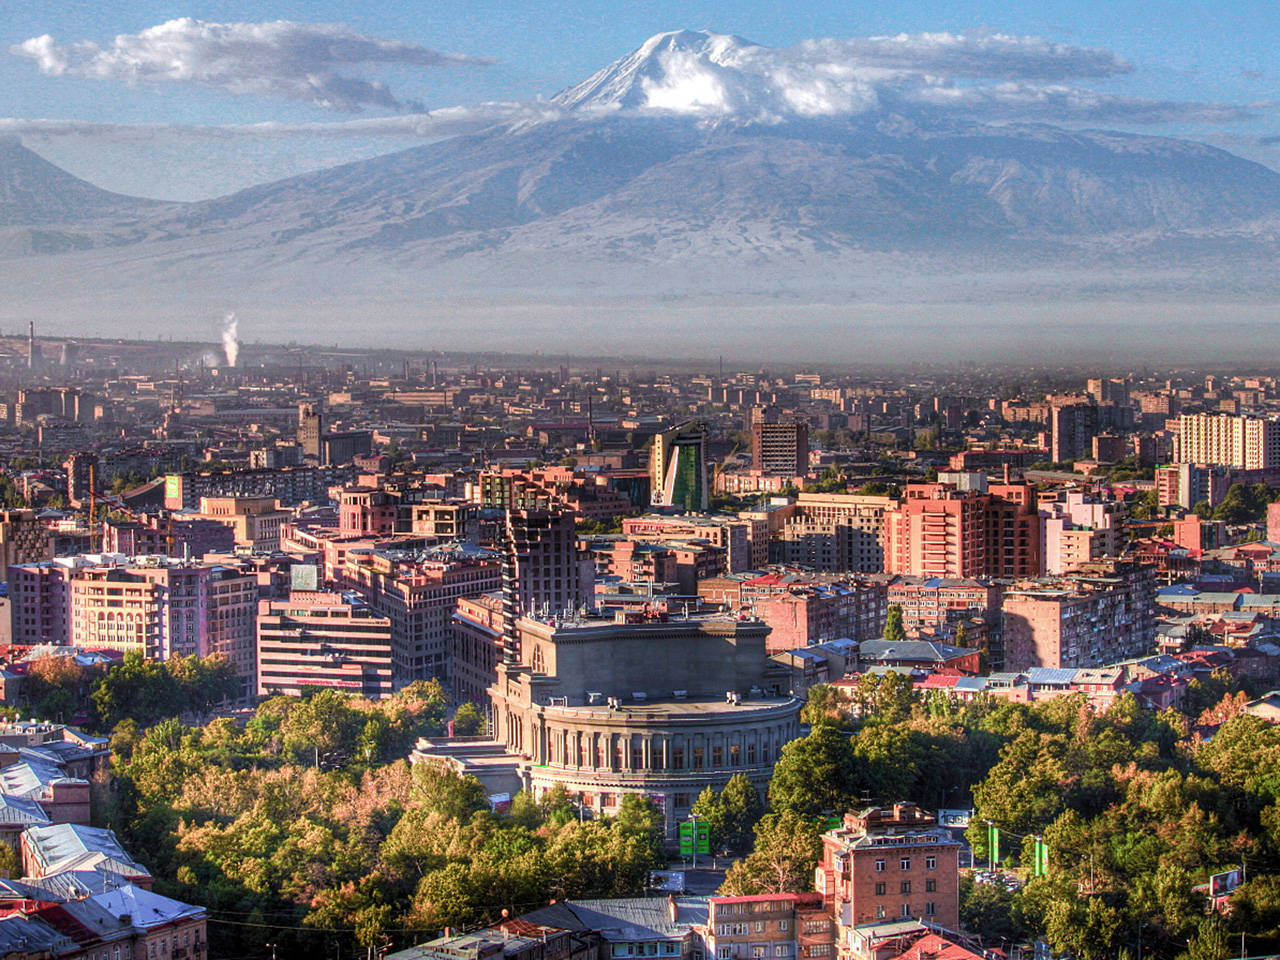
[{"x": 694, "y": 838}]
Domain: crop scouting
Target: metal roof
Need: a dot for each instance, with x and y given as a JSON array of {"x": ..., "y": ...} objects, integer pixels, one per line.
[
  {"x": 1051, "y": 675},
  {"x": 626, "y": 920},
  {"x": 144, "y": 908}
]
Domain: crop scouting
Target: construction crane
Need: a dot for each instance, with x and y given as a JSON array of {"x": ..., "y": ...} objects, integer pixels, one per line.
[{"x": 720, "y": 466}]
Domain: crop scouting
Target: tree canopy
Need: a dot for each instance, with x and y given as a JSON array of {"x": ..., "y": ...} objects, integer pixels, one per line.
[{"x": 360, "y": 848}]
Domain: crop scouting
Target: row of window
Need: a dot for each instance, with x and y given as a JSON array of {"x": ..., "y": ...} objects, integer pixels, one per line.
[
  {"x": 930, "y": 910},
  {"x": 759, "y": 950},
  {"x": 930, "y": 863},
  {"x": 754, "y": 906},
  {"x": 930, "y": 886},
  {"x": 742, "y": 929},
  {"x": 651, "y": 948},
  {"x": 561, "y": 750}
]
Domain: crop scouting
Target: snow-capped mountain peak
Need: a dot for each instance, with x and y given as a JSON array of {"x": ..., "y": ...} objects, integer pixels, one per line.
[{"x": 682, "y": 72}]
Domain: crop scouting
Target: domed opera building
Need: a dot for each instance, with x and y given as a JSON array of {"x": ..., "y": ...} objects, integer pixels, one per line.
[{"x": 659, "y": 705}]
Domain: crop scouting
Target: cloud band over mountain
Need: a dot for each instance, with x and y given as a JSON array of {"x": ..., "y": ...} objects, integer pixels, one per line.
[
  {"x": 304, "y": 62},
  {"x": 981, "y": 77}
]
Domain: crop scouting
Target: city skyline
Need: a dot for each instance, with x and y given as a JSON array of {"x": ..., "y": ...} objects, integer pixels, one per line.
[{"x": 563, "y": 602}]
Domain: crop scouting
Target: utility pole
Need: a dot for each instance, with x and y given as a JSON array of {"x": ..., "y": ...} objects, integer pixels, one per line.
[{"x": 1243, "y": 877}]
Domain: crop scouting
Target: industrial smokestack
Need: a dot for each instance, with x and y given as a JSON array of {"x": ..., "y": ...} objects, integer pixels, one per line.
[
  {"x": 231, "y": 338},
  {"x": 31, "y": 344}
]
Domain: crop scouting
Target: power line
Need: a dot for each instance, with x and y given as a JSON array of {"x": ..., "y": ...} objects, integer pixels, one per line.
[{"x": 404, "y": 930}]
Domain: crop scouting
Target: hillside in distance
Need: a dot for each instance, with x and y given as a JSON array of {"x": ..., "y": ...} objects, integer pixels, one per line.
[{"x": 613, "y": 198}]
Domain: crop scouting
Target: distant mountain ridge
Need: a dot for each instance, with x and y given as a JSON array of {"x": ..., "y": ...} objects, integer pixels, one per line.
[
  {"x": 700, "y": 196},
  {"x": 34, "y": 191}
]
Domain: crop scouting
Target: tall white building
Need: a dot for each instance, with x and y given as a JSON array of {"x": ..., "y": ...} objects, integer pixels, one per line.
[{"x": 1245, "y": 443}]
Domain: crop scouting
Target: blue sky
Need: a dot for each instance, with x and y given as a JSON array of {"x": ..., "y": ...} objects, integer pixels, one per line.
[{"x": 1218, "y": 53}]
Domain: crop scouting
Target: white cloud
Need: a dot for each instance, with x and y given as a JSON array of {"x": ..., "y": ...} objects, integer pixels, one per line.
[
  {"x": 985, "y": 55},
  {"x": 419, "y": 126},
  {"x": 989, "y": 76},
  {"x": 984, "y": 76},
  {"x": 305, "y": 62},
  {"x": 44, "y": 51},
  {"x": 1021, "y": 101}
]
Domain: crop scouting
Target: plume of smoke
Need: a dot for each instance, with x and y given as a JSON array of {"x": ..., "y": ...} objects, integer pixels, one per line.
[{"x": 231, "y": 338}]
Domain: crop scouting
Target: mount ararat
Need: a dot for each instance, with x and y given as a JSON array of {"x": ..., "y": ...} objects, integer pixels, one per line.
[{"x": 670, "y": 182}]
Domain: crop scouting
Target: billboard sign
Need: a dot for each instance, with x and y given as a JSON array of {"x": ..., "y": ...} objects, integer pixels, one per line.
[{"x": 1221, "y": 884}]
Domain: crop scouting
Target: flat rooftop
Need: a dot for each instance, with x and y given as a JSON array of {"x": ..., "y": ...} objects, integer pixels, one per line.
[{"x": 655, "y": 709}]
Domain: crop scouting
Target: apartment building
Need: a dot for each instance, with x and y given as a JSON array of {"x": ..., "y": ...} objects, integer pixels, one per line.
[
  {"x": 1097, "y": 614},
  {"x": 733, "y": 535},
  {"x": 940, "y": 531},
  {"x": 418, "y": 592},
  {"x": 771, "y": 926},
  {"x": 318, "y": 639},
  {"x": 23, "y": 539},
  {"x": 890, "y": 863},
  {"x": 934, "y": 602},
  {"x": 1248, "y": 443},
  {"x": 780, "y": 449},
  {"x": 1079, "y": 528},
  {"x": 255, "y": 520},
  {"x": 475, "y": 645},
  {"x": 856, "y": 527},
  {"x": 156, "y": 605}
]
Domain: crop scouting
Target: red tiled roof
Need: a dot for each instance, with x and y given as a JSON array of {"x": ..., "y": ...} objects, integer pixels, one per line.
[
  {"x": 935, "y": 947},
  {"x": 938, "y": 681}
]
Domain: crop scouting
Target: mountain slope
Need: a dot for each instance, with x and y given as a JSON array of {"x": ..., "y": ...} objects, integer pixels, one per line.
[
  {"x": 33, "y": 191},
  {"x": 870, "y": 185}
]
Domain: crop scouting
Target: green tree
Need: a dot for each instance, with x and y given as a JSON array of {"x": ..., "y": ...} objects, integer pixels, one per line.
[
  {"x": 894, "y": 632},
  {"x": 708, "y": 810},
  {"x": 204, "y": 682},
  {"x": 787, "y": 848},
  {"x": 469, "y": 721},
  {"x": 816, "y": 773},
  {"x": 742, "y": 808},
  {"x": 138, "y": 689},
  {"x": 887, "y": 698},
  {"x": 825, "y": 704},
  {"x": 10, "y": 862},
  {"x": 324, "y": 723},
  {"x": 57, "y": 688},
  {"x": 640, "y": 822},
  {"x": 1243, "y": 504},
  {"x": 1255, "y": 907},
  {"x": 447, "y": 793},
  {"x": 991, "y": 909},
  {"x": 1210, "y": 941}
]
